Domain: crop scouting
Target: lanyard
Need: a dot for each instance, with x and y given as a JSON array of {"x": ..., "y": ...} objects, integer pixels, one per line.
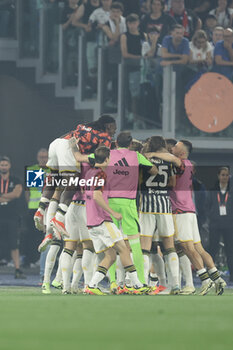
[
  {"x": 6, "y": 186},
  {"x": 225, "y": 200}
]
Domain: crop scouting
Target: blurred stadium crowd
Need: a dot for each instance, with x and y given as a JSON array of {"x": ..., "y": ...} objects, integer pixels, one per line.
[{"x": 146, "y": 34}]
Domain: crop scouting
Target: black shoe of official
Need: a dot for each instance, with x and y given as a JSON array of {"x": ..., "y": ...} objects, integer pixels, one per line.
[{"x": 19, "y": 274}]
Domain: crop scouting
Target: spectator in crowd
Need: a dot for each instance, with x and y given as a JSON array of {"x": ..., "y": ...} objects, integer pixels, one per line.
[
  {"x": 101, "y": 15},
  {"x": 157, "y": 20},
  {"x": 220, "y": 212},
  {"x": 175, "y": 51},
  {"x": 223, "y": 55},
  {"x": 10, "y": 191},
  {"x": 131, "y": 48},
  {"x": 185, "y": 17},
  {"x": 200, "y": 50},
  {"x": 145, "y": 8},
  {"x": 200, "y": 7},
  {"x": 70, "y": 9},
  {"x": 223, "y": 14},
  {"x": 113, "y": 28},
  {"x": 81, "y": 19},
  {"x": 209, "y": 25},
  {"x": 70, "y": 41},
  {"x": 116, "y": 24},
  {"x": 32, "y": 236},
  {"x": 217, "y": 35},
  {"x": 151, "y": 80},
  {"x": 175, "y": 47}
]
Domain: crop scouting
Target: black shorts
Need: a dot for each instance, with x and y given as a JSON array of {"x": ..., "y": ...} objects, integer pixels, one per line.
[{"x": 9, "y": 233}]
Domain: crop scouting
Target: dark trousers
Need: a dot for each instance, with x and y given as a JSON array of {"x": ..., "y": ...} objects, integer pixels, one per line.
[
  {"x": 30, "y": 240},
  {"x": 227, "y": 234},
  {"x": 9, "y": 236}
]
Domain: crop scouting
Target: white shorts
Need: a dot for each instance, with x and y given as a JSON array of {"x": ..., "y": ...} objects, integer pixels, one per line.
[
  {"x": 186, "y": 227},
  {"x": 156, "y": 225},
  {"x": 76, "y": 223},
  {"x": 61, "y": 157},
  {"x": 105, "y": 236}
]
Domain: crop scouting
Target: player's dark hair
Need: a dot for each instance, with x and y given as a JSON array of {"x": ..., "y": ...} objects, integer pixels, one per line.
[
  {"x": 100, "y": 124},
  {"x": 101, "y": 153},
  {"x": 113, "y": 145},
  {"x": 188, "y": 145},
  {"x": 124, "y": 139},
  {"x": 155, "y": 143},
  {"x": 117, "y": 6},
  {"x": 171, "y": 142}
]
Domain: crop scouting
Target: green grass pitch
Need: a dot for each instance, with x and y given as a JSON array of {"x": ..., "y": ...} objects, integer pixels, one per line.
[{"x": 32, "y": 321}]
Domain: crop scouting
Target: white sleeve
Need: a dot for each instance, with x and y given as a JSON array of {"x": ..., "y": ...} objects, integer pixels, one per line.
[{"x": 92, "y": 17}]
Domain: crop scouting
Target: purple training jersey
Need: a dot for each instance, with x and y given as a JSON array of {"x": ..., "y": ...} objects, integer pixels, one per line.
[
  {"x": 96, "y": 180},
  {"x": 181, "y": 194}
]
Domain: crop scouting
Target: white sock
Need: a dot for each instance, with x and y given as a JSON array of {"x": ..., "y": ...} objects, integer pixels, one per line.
[
  {"x": 120, "y": 272},
  {"x": 58, "y": 276},
  {"x": 159, "y": 268},
  {"x": 77, "y": 272},
  {"x": 153, "y": 279},
  {"x": 45, "y": 201},
  {"x": 51, "y": 211},
  {"x": 74, "y": 257},
  {"x": 87, "y": 266},
  {"x": 134, "y": 279},
  {"x": 200, "y": 272},
  {"x": 213, "y": 270},
  {"x": 50, "y": 262},
  {"x": 185, "y": 267},
  {"x": 146, "y": 267},
  {"x": 173, "y": 263},
  {"x": 61, "y": 216},
  {"x": 128, "y": 281},
  {"x": 66, "y": 267},
  {"x": 96, "y": 279}
]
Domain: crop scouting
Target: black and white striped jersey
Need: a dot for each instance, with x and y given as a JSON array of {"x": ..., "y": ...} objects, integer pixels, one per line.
[{"x": 154, "y": 197}]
